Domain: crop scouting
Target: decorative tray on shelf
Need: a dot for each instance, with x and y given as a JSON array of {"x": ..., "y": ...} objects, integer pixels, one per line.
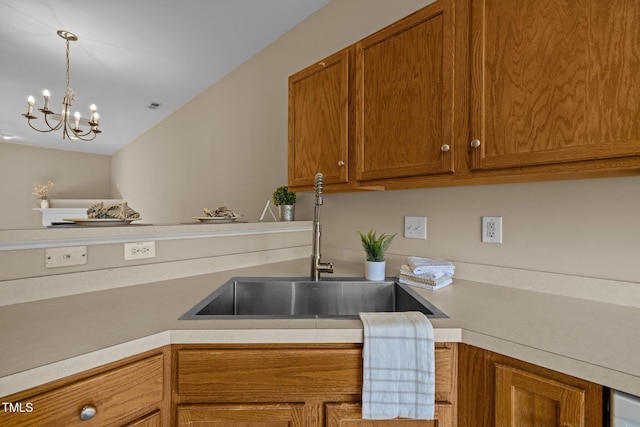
[
  {"x": 216, "y": 219},
  {"x": 101, "y": 222}
]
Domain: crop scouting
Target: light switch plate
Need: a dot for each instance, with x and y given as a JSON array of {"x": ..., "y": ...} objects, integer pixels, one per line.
[
  {"x": 65, "y": 257},
  {"x": 415, "y": 227}
]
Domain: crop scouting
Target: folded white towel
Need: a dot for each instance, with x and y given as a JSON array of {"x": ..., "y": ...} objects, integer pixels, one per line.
[
  {"x": 399, "y": 366},
  {"x": 428, "y": 278},
  {"x": 430, "y": 265},
  {"x": 441, "y": 283}
]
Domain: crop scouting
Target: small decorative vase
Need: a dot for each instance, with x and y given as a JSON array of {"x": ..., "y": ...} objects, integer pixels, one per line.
[
  {"x": 287, "y": 212},
  {"x": 44, "y": 204},
  {"x": 374, "y": 270}
]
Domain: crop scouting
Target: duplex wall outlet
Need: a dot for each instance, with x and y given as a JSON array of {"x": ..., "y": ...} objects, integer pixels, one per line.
[
  {"x": 492, "y": 229},
  {"x": 415, "y": 227},
  {"x": 65, "y": 257},
  {"x": 139, "y": 250}
]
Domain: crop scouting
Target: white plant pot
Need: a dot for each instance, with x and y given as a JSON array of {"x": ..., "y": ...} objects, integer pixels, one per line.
[
  {"x": 44, "y": 204},
  {"x": 374, "y": 270}
]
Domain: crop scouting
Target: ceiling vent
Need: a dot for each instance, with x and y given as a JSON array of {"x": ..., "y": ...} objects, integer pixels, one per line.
[{"x": 154, "y": 105}]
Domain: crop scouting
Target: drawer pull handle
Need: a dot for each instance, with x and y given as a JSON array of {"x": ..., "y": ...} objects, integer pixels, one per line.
[
  {"x": 340, "y": 163},
  {"x": 445, "y": 148},
  {"x": 322, "y": 64},
  {"x": 88, "y": 412},
  {"x": 475, "y": 143}
]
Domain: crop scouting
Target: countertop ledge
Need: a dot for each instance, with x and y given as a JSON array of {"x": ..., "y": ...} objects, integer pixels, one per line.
[{"x": 45, "y": 340}]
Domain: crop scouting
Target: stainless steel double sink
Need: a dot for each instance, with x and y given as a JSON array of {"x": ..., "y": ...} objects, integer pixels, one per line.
[{"x": 300, "y": 298}]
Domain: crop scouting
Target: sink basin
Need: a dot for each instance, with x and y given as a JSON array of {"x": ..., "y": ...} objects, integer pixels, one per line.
[{"x": 286, "y": 298}]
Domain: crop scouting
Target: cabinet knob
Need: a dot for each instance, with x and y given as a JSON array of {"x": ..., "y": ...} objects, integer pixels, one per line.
[
  {"x": 88, "y": 412},
  {"x": 475, "y": 143},
  {"x": 340, "y": 163},
  {"x": 322, "y": 64},
  {"x": 445, "y": 148}
]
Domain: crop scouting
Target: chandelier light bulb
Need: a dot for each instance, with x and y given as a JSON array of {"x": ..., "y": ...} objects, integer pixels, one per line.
[
  {"x": 30, "y": 103},
  {"x": 92, "y": 117},
  {"x": 46, "y": 95},
  {"x": 77, "y": 116}
]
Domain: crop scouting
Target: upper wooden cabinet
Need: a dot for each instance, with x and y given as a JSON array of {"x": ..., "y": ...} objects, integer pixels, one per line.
[
  {"x": 554, "y": 82},
  {"x": 468, "y": 92},
  {"x": 319, "y": 122},
  {"x": 379, "y": 109},
  {"x": 404, "y": 99}
]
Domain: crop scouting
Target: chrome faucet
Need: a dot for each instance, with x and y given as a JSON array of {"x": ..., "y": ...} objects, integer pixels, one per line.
[{"x": 317, "y": 266}]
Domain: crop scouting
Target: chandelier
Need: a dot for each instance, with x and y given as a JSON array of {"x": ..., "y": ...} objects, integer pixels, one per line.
[{"x": 70, "y": 126}]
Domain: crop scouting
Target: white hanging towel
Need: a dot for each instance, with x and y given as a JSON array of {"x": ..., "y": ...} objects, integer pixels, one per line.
[
  {"x": 430, "y": 265},
  {"x": 399, "y": 366}
]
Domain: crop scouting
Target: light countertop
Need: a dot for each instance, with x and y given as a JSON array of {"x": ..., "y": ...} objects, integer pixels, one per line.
[{"x": 44, "y": 340}]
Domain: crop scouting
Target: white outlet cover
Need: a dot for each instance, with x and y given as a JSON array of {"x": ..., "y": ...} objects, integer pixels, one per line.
[
  {"x": 65, "y": 257},
  {"x": 139, "y": 250},
  {"x": 415, "y": 227},
  {"x": 491, "y": 229}
]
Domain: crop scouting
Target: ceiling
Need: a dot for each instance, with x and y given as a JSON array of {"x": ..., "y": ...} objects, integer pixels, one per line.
[{"x": 129, "y": 54}]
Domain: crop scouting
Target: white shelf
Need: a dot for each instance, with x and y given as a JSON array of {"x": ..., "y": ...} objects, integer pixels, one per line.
[{"x": 51, "y": 215}]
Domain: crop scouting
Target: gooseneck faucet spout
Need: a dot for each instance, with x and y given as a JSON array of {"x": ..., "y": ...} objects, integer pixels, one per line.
[{"x": 317, "y": 266}]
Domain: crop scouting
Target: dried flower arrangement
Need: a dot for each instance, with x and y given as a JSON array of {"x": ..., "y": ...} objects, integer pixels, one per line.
[{"x": 42, "y": 190}]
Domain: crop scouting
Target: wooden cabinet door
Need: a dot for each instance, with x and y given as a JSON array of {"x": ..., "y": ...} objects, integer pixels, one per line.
[
  {"x": 527, "y": 400},
  {"x": 554, "y": 82},
  {"x": 499, "y": 391},
  {"x": 350, "y": 415},
  {"x": 404, "y": 97},
  {"x": 242, "y": 415},
  {"x": 319, "y": 122}
]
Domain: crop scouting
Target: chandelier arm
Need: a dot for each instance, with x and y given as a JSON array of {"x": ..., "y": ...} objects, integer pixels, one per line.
[
  {"x": 82, "y": 136},
  {"x": 52, "y": 128},
  {"x": 78, "y": 132}
]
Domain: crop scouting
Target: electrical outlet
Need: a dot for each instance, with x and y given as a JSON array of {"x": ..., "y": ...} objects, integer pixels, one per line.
[
  {"x": 65, "y": 257},
  {"x": 491, "y": 229},
  {"x": 415, "y": 227},
  {"x": 139, "y": 250}
]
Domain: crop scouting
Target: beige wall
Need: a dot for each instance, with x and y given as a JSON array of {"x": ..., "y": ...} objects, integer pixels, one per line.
[
  {"x": 229, "y": 146},
  {"x": 75, "y": 175}
]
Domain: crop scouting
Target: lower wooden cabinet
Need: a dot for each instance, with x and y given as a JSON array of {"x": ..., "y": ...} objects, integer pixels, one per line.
[
  {"x": 300, "y": 385},
  {"x": 504, "y": 392},
  {"x": 129, "y": 392},
  {"x": 289, "y": 385}
]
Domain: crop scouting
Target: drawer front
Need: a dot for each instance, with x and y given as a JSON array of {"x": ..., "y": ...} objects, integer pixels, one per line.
[
  {"x": 231, "y": 374},
  {"x": 115, "y": 394},
  {"x": 217, "y": 375}
]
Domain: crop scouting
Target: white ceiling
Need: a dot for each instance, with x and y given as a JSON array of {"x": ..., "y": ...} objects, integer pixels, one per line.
[{"x": 129, "y": 53}]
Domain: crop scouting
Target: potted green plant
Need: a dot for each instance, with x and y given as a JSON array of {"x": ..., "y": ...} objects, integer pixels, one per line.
[
  {"x": 375, "y": 248},
  {"x": 286, "y": 201}
]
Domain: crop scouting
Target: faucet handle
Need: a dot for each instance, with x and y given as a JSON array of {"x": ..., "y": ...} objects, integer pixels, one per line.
[{"x": 325, "y": 267}]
